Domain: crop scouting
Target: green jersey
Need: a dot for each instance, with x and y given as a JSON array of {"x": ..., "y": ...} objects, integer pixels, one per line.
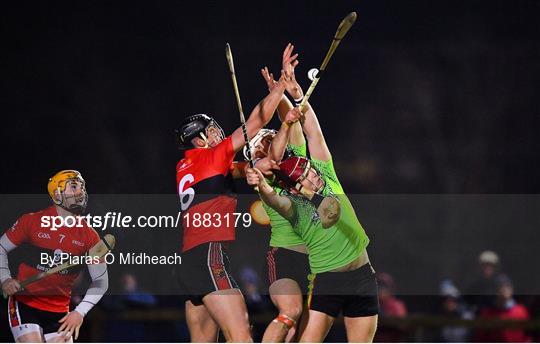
[
  {"x": 283, "y": 234},
  {"x": 338, "y": 245}
]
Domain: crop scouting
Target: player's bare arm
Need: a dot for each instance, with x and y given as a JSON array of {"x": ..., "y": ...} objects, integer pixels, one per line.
[
  {"x": 296, "y": 135},
  {"x": 265, "y": 165},
  {"x": 279, "y": 143},
  {"x": 269, "y": 196},
  {"x": 237, "y": 169},
  {"x": 327, "y": 207},
  {"x": 260, "y": 116},
  {"x": 291, "y": 130},
  {"x": 318, "y": 149},
  {"x": 317, "y": 146},
  {"x": 288, "y": 63}
]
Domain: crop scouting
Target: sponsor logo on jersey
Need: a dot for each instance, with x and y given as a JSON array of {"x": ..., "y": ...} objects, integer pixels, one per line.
[
  {"x": 185, "y": 164},
  {"x": 42, "y": 235},
  {"x": 78, "y": 243}
]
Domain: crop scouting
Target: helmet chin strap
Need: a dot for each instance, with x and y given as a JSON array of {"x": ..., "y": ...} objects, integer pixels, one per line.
[
  {"x": 299, "y": 186},
  {"x": 315, "y": 189},
  {"x": 205, "y": 139},
  {"x": 205, "y": 134},
  {"x": 75, "y": 209}
]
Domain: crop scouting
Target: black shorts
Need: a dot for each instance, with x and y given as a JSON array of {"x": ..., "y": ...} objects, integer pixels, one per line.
[
  {"x": 353, "y": 292},
  {"x": 204, "y": 269},
  {"x": 284, "y": 263},
  {"x": 20, "y": 314}
]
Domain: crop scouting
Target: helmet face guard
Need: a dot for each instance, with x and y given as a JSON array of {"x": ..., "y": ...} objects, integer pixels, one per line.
[
  {"x": 57, "y": 187},
  {"x": 256, "y": 143},
  {"x": 293, "y": 171},
  {"x": 195, "y": 126},
  {"x": 216, "y": 126}
]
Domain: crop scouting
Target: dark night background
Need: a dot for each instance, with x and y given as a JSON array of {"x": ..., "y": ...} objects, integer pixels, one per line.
[{"x": 422, "y": 97}]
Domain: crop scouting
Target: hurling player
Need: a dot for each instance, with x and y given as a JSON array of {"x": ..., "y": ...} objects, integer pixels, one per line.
[
  {"x": 314, "y": 202},
  {"x": 204, "y": 183},
  {"x": 40, "y": 312},
  {"x": 287, "y": 261}
]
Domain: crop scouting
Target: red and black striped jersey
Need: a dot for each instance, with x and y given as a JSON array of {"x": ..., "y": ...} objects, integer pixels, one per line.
[
  {"x": 204, "y": 183},
  {"x": 35, "y": 239}
]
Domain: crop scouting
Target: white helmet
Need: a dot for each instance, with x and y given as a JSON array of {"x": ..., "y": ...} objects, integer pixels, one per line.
[{"x": 255, "y": 142}]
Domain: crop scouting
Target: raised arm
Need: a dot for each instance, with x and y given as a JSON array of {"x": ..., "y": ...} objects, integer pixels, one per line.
[
  {"x": 261, "y": 115},
  {"x": 316, "y": 143},
  {"x": 281, "y": 204},
  {"x": 318, "y": 149},
  {"x": 279, "y": 143},
  {"x": 288, "y": 63}
]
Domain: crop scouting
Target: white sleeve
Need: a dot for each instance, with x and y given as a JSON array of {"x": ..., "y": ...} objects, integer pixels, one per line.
[
  {"x": 6, "y": 246},
  {"x": 98, "y": 287}
]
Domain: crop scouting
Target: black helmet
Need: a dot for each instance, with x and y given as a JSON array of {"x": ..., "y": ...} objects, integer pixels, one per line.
[{"x": 192, "y": 127}]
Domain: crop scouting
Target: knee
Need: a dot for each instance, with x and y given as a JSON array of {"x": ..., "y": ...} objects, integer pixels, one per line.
[{"x": 292, "y": 311}]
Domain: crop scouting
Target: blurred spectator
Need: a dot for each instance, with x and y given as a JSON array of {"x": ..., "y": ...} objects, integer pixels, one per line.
[
  {"x": 481, "y": 292},
  {"x": 533, "y": 305},
  {"x": 504, "y": 308},
  {"x": 255, "y": 302},
  {"x": 129, "y": 297},
  {"x": 390, "y": 306},
  {"x": 453, "y": 306},
  {"x": 132, "y": 296},
  {"x": 250, "y": 281}
]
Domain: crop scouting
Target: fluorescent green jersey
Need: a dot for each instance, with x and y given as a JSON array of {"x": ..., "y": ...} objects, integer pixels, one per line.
[
  {"x": 338, "y": 245},
  {"x": 283, "y": 234}
]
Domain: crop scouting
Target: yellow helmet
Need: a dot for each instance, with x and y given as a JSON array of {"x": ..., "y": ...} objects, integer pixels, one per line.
[{"x": 57, "y": 186}]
